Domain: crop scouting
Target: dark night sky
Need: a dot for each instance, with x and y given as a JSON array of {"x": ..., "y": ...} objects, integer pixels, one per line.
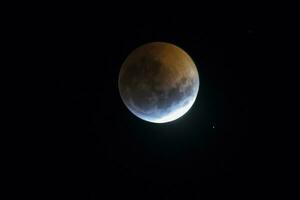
[{"x": 104, "y": 150}]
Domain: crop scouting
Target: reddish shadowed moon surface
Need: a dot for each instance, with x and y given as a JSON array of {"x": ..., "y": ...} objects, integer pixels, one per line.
[{"x": 158, "y": 82}]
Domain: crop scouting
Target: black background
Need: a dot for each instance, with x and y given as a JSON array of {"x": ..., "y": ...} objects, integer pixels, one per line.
[{"x": 102, "y": 151}]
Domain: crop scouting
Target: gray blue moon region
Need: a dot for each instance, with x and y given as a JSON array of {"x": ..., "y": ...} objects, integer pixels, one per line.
[{"x": 158, "y": 82}]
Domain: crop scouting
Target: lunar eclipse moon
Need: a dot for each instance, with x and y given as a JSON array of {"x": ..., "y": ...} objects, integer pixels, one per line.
[{"x": 158, "y": 82}]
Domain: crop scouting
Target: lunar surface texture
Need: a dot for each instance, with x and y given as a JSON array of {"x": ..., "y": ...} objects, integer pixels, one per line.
[{"x": 158, "y": 82}]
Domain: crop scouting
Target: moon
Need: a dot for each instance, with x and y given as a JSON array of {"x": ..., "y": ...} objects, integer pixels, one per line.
[{"x": 158, "y": 82}]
